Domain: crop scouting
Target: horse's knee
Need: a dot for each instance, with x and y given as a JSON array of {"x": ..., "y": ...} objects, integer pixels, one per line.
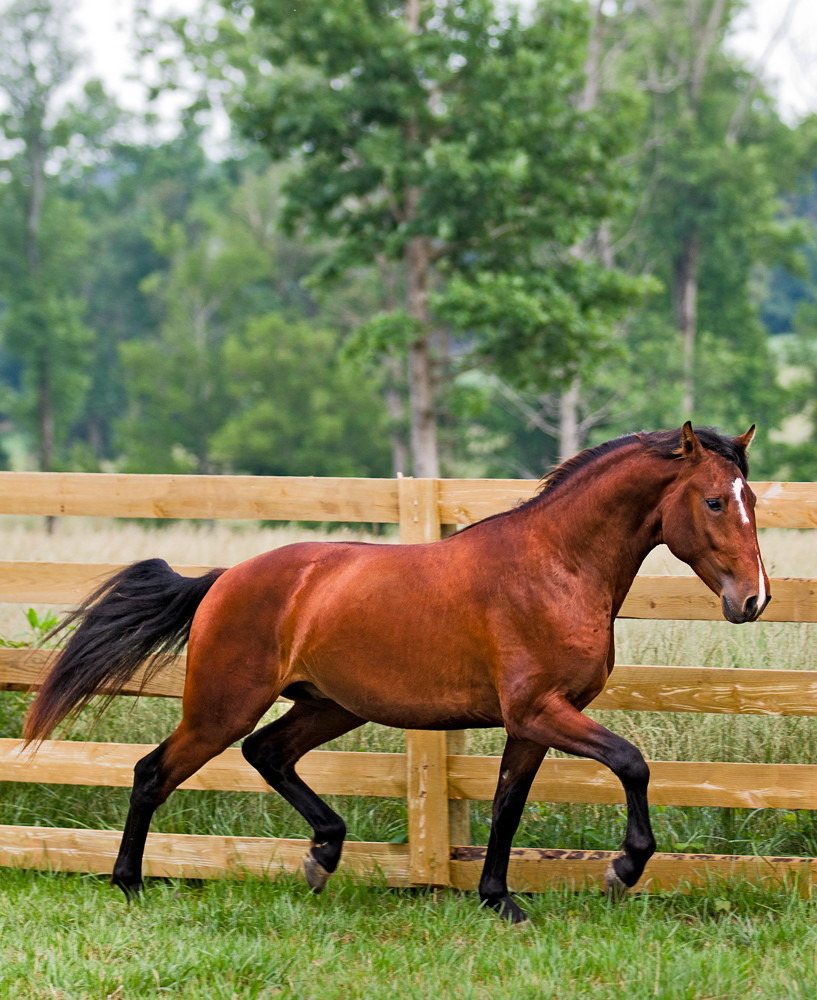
[{"x": 631, "y": 768}]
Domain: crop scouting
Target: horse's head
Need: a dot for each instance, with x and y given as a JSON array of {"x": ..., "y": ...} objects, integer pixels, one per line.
[{"x": 708, "y": 521}]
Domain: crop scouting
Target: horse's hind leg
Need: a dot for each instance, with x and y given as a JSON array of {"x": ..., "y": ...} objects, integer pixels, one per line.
[
  {"x": 274, "y": 751},
  {"x": 154, "y": 778},
  {"x": 520, "y": 762}
]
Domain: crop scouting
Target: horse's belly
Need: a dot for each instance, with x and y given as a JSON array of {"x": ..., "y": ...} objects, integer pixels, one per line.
[{"x": 422, "y": 693}]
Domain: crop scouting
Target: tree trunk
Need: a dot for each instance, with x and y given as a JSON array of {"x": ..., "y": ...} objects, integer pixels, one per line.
[
  {"x": 425, "y": 459},
  {"x": 399, "y": 452},
  {"x": 569, "y": 443},
  {"x": 45, "y": 412},
  {"x": 685, "y": 296},
  {"x": 45, "y": 416},
  {"x": 36, "y": 161}
]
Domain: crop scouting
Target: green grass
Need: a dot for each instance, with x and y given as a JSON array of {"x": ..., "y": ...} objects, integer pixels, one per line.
[{"x": 71, "y": 937}]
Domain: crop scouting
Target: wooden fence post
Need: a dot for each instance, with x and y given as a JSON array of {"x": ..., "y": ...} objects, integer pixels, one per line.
[
  {"x": 459, "y": 810},
  {"x": 426, "y": 752}
]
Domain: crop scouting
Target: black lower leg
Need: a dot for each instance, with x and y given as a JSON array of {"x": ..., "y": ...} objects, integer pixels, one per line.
[
  {"x": 274, "y": 751},
  {"x": 639, "y": 842},
  {"x": 148, "y": 784},
  {"x": 520, "y": 762},
  {"x": 565, "y": 728}
]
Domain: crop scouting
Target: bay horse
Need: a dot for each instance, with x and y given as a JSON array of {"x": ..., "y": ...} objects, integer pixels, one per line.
[{"x": 506, "y": 623}]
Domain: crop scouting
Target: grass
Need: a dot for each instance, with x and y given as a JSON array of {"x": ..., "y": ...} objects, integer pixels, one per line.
[{"x": 71, "y": 938}]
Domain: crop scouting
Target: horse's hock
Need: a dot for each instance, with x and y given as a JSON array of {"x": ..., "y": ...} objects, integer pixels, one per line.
[{"x": 435, "y": 774}]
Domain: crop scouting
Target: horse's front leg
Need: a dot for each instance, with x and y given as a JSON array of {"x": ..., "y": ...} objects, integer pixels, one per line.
[
  {"x": 558, "y": 724},
  {"x": 520, "y": 762}
]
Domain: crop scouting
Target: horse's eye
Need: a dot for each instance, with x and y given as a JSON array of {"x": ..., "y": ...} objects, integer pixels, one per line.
[{"x": 714, "y": 504}]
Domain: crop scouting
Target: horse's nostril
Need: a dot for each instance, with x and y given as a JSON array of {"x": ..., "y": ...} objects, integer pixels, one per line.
[{"x": 750, "y": 607}]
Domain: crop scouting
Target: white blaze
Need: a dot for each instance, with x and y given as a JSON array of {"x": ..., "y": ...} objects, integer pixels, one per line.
[
  {"x": 761, "y": 584},
  {"x": 737, "y": 489}
]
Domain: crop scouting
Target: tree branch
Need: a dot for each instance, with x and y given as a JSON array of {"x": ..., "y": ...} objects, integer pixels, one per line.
[{"x": 733, "y": 131}]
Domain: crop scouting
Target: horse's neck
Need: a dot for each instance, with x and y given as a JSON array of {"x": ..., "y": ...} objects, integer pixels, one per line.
[{"x": 607, "y": 519}]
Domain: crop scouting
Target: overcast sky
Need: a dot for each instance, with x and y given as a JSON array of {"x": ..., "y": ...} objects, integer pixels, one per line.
[{"x": 791, "y": 69}]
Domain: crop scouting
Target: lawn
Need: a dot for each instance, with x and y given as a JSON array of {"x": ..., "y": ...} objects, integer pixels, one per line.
[{"x": 71, "y": 937}]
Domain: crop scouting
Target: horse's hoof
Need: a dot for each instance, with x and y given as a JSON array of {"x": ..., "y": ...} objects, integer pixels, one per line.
[
  {"x": 316, "y": 875},
  {"x": 132, "y": 890},
  {"x": 615, "y": 889},
  {"x": 507, "y": 910}
]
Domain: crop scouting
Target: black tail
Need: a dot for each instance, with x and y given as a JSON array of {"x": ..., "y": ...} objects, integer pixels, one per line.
[{"x": 144, "y": 612}]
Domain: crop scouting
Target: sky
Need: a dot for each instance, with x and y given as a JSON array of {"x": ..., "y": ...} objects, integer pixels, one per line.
[{"x": 790, "y": 68}]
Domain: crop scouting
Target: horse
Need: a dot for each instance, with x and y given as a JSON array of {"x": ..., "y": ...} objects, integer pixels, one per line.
[{"x": 507, "y": 623}]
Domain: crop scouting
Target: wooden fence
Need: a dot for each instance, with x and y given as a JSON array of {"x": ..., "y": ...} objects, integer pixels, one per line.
[{"x": 434, "y": 774}]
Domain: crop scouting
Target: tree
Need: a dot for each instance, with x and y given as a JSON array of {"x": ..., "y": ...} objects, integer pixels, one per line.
[
  {"x": 233, "y": 377},
  {"x": 715, "y": 161},
  {"x": 298, "y": 410},
  {"x": 44, "y": 236},
  {"x": 177, "y": 389},
  {"x": 446, "y": 137}
]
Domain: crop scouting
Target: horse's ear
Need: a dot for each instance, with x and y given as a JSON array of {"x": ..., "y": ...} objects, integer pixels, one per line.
[
  {"x": 690, "y": 445},
  {"x": 745, "y": 440}
]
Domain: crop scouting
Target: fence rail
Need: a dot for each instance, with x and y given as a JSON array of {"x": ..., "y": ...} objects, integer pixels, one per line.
[
  {"x": 435, "y": 777},
  {"x": 668, "y": 598}
]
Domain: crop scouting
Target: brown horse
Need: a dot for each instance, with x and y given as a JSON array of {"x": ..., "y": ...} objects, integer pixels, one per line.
[{"x": 508, "y": 623}]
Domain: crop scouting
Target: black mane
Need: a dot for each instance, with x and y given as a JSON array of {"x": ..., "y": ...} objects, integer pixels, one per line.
[{"x": 665, "y": 444}]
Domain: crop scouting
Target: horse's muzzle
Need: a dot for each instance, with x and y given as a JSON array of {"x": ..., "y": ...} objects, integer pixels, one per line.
[{"x": 750, "y": 612}]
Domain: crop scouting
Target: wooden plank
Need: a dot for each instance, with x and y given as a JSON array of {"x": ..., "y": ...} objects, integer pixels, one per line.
[
  {"x": 461, "y": 501},
  {"x": 672, "y": 783},
  {"x": 464, "y": 501},
  {"x": 188, "y": 855},
  {"x": 426, "y": 752},
  {"x": 786, "y": 505},
  {"x": 272, "y": 498},
  {"x": 686, "y": 598},
  {"x": 427, "y": 806},
  {"x": 328, "y": 772},
  {"x": 419, "y": 520},
  {"x": 717, "y": 690},
  {"x": 532, "y": 870},
  {"x": 25, "y": 669},
  {"x": 62, "y": 582}
]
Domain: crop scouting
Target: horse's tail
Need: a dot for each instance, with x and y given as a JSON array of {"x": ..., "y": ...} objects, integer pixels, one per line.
[{"x": 143, "y": 612}]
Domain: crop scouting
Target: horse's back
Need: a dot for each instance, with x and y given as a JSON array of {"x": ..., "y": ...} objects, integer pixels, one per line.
[{"x": 388, "y": 631}]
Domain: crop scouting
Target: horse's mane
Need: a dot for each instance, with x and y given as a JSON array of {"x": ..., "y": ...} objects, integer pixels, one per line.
[{"x": 665, "y": 444}]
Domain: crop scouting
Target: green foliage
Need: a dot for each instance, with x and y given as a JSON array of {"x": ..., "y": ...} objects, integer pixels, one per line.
[
  {"x": 553, "y": 212},
  {"x": 298, "y": 409},
  {"x": 543, "y": 327},
  {"x": 40, "y": 626},
  {"x": 385, "y": 333},
  {"x": 455, "y": 146},
  {"x": 715, "y": 162},
  {"x": 225, "y": 383}
]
